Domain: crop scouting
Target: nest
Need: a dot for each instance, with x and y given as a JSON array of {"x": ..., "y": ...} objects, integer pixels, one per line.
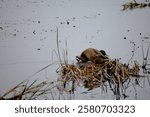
[{"x": 91, "y": 75}]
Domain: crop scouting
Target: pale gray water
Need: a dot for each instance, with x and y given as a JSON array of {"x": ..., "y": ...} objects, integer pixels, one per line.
[{"x": 28, "y": 37}]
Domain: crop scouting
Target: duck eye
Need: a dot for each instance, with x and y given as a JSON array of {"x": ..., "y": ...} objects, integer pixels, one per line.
[{"x": 103, "y": 52}]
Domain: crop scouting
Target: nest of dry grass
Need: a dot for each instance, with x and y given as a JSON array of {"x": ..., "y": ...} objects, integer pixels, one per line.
[{"x": 91, "y": 75}]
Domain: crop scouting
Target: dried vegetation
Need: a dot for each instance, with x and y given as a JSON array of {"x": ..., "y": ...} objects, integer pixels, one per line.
[
  {"x": 135, "y": 5},
  {"x": 26, "y": 91},
  {"x": 91, "y": 75}
]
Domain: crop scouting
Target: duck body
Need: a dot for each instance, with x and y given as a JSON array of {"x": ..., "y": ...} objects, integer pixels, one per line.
[{"x": 93, "y": 55}]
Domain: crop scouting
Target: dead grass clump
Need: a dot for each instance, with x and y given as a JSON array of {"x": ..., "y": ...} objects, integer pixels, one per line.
[
  {"x": 93, "y": 75},
  {"x": 134, "y": 5},
  {"x": 23, "y": 91}
]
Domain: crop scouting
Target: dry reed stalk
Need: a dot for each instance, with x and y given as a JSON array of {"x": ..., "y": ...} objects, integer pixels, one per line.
[
  {"x": 23, "y": 91},
  {"x": 57, "y": 40}
]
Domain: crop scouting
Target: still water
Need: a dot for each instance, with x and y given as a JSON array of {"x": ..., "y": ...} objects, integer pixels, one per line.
[{"x": 28, "y": 39}]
